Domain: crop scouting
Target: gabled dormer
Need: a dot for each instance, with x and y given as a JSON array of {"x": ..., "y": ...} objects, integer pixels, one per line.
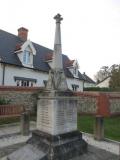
[
  {"x": 73, "y": 67},
  {"x": 25, "y": 50}
]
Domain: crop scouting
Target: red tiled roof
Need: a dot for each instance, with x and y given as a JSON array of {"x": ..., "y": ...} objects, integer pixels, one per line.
[
  {"x": 48, "y": 57},
  {"x": 18, "y": 46},
  {"x": 69, "y": 63}
]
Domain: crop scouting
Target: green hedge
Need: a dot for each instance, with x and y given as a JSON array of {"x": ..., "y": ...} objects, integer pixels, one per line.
[{"x": 104, "y": 89}]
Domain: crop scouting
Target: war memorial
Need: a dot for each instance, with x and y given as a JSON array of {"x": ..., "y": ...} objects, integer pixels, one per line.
[{"x": 56, "y": 136}]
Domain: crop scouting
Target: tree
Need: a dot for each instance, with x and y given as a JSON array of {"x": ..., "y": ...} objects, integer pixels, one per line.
[
  {"x": 115, "y": 77},
  {"x": 113, "y": 72},
  {"x": 103, "y": 73}
]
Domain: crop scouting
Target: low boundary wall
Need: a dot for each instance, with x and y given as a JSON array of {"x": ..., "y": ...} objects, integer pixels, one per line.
[
  {"x": 24, "y": 96},
  {"x": 99, "y": 104},
  {"x": 91, "y": 103}
]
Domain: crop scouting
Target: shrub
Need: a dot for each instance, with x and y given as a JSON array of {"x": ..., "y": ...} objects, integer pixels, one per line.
[
  {"x": 3, "y": 101},
  {"x": 104, "y": 89}
]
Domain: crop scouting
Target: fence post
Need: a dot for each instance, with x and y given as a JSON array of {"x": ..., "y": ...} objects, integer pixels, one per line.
[
  {"x": 25, "y": 123},
  {"x": 102, "y": 111},
  {"x": 99, "y": 128}
]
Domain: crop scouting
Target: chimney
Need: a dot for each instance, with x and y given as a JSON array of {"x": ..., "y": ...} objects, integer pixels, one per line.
[{"x": 23, "y": 33}]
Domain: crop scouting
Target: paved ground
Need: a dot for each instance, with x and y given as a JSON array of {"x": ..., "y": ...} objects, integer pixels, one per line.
[
  {"x": 10, "y": 140},
  {"x": 95, "y": 153},
  {"x": 108, "y": 145}
]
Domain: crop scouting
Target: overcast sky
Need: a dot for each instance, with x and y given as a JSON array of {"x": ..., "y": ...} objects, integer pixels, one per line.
[{"x": 90, "y": 29}]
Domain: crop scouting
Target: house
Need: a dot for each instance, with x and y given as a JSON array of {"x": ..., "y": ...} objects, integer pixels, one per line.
[
  {"x": 88, "y": 82},
  {"x": 104, "y": 83},
  {"x": 25, "y": 63}
]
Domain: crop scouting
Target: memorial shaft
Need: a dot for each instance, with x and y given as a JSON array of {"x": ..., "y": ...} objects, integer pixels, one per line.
[
  {"x": 57, "y": 55},
  {"x": 57, "y": 79}
]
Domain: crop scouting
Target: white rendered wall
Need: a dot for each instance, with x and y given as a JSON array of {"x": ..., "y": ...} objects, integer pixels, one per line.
[
  {"x": 88, "y": 85},
  {"x": 105, "y": 83},
  {"x": 78, "y": 82},
  {"x": 12, "y": 71}
]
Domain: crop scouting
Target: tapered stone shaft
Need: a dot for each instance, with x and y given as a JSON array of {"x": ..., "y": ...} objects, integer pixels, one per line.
[
  {"x": 57, "y": 55},
  {"x": 57, "y": 79}
]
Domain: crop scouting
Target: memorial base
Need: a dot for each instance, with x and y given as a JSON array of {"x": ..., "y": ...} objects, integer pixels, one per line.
[{"x": 43, "y": 146}]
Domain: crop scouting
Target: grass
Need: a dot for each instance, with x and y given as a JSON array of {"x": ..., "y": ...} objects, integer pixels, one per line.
[
  {"x": 14, "y": 120},
  {"x": 9, "y": 120},
  {"x": 111, "y": 126}
]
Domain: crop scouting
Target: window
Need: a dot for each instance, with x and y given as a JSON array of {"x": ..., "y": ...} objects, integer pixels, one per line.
[
  {"x": 25, "y": 83},
  {"x": 75, "y": 87},
  {"x": 18, "y": 83},
  {"x": 26, "y": 57},
  {"x": 75, "y": 71},
  {"x": 31, "y": 84},
  {"x": 45, "y": 83}
]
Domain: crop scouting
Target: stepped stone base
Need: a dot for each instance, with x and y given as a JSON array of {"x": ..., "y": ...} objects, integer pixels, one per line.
[{"x": 43, "y": 146}]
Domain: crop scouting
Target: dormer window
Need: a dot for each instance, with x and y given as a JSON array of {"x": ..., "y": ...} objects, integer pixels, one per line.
[
  {"x": 26, "y": 57},
  {"x": 75, "y": 71},
  {"x": 75, "y": 68},
  {"x": 25, "y": 52}
]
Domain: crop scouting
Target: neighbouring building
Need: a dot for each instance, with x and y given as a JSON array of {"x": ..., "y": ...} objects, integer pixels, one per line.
[
  {"x": 25, "y": 63},
  {"x": 88, "y": 82},
  {"x": 104, "y": 83}
]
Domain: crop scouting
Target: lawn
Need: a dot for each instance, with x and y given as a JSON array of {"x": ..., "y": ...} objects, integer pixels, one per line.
[
  {"x": 111, "y": 125},
  {"x": 14, "y": 120}
]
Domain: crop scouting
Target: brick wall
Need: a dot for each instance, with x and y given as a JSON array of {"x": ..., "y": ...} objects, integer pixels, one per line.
[{"x": 99, "y": 103}]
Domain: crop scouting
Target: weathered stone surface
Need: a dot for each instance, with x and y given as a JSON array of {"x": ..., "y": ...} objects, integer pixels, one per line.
[
  {"x": 25, "y": 123},
  {"x": 43, "y": 146},
  {"x": 57, "y": 79},
  {"x": 27, "y": 152},
  {"x": 4, "y": 151},
  {"x": 56, "y": 112},
  {"x": 99, "y": 128},
  {"x": 93, "y": 153}
]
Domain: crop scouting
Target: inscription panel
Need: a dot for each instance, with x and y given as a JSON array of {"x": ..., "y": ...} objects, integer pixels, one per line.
[
  {"x": 45, "y": 115},
  {"x": 57, "y": 116},
  {"x": 66, "y": 116}
]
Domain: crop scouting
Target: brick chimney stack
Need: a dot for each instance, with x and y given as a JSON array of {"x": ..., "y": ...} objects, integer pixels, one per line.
[{"x": 23, "y": 33}]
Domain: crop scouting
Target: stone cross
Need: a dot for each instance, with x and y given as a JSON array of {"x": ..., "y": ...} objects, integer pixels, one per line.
[
  {"x": 57, "y": 79},
  {"x": 57, "y": 55}
]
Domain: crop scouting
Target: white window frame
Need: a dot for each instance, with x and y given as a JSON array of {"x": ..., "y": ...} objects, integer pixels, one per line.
[{"x": 26, "y": 57}]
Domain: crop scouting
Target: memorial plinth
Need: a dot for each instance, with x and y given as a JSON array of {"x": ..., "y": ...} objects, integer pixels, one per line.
[{"x": 56, "y": 112}]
